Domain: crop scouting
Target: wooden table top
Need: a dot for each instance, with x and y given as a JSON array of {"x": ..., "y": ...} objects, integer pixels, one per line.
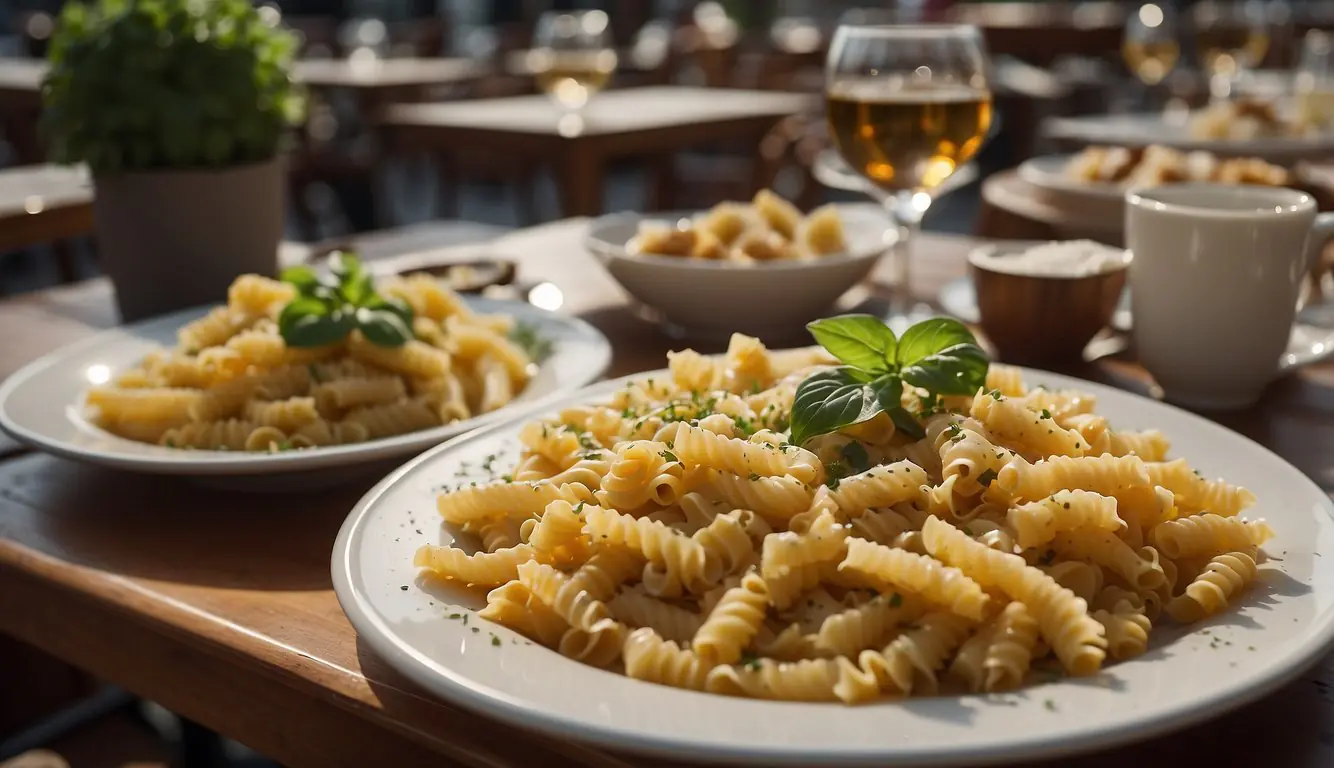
[
  {"x": 368, "y": 74},
  {"x": 21, "y": 76},
  {"x": 621, "y": 111},
  {"x": 44, "y": 203},
  {"x": 219, "y": 605}
]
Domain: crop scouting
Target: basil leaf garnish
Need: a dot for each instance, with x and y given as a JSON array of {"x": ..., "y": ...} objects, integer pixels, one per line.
[
  {"x": 830, "y": 400},
  {"x": 861, "y": 341},
  {"x": 303, "y": 277},
  {"x": 383, "y": 328},
  {"x": 304, "y": 329},
  {"x": 957, "y": 370},
  {"x": 931, "y": 336},
  {"x": 330, "y": 306},
  {"x": 938, "y": 355}
]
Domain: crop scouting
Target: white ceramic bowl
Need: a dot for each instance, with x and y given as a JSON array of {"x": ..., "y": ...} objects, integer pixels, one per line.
[{"x": 715, "y": 297}]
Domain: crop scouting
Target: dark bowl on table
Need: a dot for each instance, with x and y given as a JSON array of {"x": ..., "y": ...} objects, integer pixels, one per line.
[{"x": 1036, "y": 319}]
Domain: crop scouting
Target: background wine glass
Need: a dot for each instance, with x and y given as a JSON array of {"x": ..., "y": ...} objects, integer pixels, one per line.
[
  {"x": 907, "y": 105},
  {"x": 1230, "y": 37},
  {"x": 1150, "y": 46},
  {"x": 1313, "y": 81},
  {"x": 572, "y": 56}
]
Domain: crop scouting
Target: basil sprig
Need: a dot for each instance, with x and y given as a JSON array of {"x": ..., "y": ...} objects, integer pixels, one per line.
[
  {"x": 939, "y": 355},
  {"x": 329, "y": 306}
]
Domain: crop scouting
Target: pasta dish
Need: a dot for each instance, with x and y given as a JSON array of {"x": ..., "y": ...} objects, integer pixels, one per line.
[
  {"x": 705, "y": 529},
  {"x": 1155, "y": 165},
  {"x": 238, "y": 380},
  {"x": 768, "y": 229}
]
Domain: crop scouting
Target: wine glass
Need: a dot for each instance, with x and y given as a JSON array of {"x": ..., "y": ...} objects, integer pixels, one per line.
[
  {"x": 907, "y": 106},
  {"x": 1150, "y": 46},
  {"x": 1230, "y": 38},
  {"x": 1313, "y": 81},
  {"x": 572, "y": 57}
]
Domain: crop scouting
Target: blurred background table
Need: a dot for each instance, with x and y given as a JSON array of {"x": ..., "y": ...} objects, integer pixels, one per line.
[{"x": 644, "y": 122}]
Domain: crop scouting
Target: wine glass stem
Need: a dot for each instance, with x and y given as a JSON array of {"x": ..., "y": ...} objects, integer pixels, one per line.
[{"x": 906, "y": 208}]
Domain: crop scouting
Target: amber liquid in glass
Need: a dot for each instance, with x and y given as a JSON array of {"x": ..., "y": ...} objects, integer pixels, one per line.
[
  {"x": 907, "y": 139},
  {"x": 1226, "y": 48},
  {"x": 574, "y": 77},
  {"x": 1151, "y": 60}
]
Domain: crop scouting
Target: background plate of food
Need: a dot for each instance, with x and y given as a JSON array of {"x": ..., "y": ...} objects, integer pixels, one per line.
[
  {"x": 330, "y": 371},
  {"x": 665, "y": 547},
  {"x": 761, "y": 267},
  {"x": 1245, "y": 128}
]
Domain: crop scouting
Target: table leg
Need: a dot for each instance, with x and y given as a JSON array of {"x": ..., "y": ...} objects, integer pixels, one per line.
[
  {"x": 66, "y": 266},
  {"x": 447, "y": 180},
  {"x": 581, "y": 180},
  {"x": 663, "y": 168}
]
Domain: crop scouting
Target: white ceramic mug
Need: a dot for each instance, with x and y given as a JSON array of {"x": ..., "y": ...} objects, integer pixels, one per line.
[{"x": 1214, "y": 280}]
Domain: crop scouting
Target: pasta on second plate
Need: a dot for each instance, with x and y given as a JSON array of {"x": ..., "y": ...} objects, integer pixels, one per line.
[
  {"x": 675, "y": 533},
  {"x": 768, "y": 229},
  {"x": 232, "y": 383}
]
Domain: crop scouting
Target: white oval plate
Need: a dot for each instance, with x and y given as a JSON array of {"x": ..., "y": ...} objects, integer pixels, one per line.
[
  {"x": 1048, "y": 172},
  {"x": 1284, "y": 623},
  {"x": 1311, "y": 341},
  {"x": 41, "y": 404},
  {"x": 1139, "y": 130}
]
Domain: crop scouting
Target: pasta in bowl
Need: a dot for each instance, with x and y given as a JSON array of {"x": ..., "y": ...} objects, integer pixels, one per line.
[
  {"x": 699, "y": 281},
  {"x": 219, "y": 391},
  {"x": 711, "y": 528}
]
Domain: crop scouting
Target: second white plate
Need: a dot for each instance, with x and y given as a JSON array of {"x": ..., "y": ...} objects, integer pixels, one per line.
[{"x": 41, "y": 405}]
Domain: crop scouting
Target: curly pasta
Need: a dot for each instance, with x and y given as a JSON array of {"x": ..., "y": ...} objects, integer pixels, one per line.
[
  {"x": 1199, "y": 535},
  {"x": 676, "y": 529},
  {"x": 887, "y": 568},
  {"x": 232, "y": 366},
  {"x": 733, "y": 622},
  {"x": 1063, "y": 618},
  {"x": 1038, "y": 522},
  {"x": 1209, "y": 592}
]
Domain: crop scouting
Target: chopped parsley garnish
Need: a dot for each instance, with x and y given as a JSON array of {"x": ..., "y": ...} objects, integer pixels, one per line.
[
  {"x": 750, "y": 661},
  {"x": 987, "y": 477},
  {"x": 995, "y": 394},
  {"x": 668, "y": 456},
  {"x": 1046, "y": 414},
  {"x": 527, "y": 338},
  {"x": 895, "y": 600},
  {"x": 754, "y": 476},
  {"x": 834, "y": 472},
  {"x": 495, "y": 640}
]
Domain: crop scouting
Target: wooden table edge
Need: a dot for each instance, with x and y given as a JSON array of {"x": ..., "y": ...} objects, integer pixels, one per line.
[{"x": 39, "y": 584}]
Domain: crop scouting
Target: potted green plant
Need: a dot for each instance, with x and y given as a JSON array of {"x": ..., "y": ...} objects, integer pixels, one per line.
[{"x": 181, "y": 110}]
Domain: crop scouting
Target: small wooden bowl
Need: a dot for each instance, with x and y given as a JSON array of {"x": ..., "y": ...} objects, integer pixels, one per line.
[{"x": 1033, "y": 319}]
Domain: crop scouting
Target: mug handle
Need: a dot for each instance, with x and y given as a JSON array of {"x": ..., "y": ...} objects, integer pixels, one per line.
[{"x": 1322, "y": 231}]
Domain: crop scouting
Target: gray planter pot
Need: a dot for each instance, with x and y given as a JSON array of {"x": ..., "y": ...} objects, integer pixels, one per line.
[{"x": 176, "y": 239}]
